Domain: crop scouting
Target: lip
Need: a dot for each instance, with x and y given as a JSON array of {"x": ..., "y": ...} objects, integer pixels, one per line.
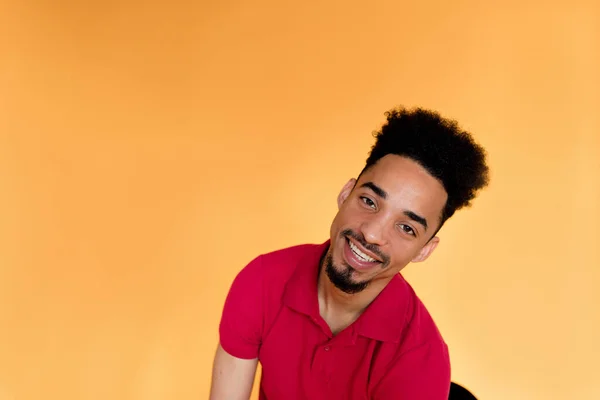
[{"x": 356, "y": 262}]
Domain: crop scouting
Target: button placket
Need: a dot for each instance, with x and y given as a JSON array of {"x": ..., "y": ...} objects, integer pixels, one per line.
[{"x": 327, "y": 363}]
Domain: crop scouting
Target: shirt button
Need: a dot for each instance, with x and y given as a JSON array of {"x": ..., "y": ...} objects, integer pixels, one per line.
[{"x": 327, "y": 348}]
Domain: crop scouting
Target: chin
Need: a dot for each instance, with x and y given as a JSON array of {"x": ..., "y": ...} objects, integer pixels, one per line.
[{"x": 342, "y": 276}]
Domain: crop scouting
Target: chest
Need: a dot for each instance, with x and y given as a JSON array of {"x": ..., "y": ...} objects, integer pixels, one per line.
[{"x": 301, "y": 359}]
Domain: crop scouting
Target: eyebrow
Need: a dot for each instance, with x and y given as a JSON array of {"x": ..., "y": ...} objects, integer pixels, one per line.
[
  {"x": 378, "y": 191},
  {"x": 416, "y": 218},
  {"x": 383, "y": 194}
]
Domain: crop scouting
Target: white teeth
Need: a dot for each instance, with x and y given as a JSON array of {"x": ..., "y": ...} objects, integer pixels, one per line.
[{"x": 360, "y": 254}]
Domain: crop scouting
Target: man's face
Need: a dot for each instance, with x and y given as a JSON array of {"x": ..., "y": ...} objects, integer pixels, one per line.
[{"x": 385, "y": 220}]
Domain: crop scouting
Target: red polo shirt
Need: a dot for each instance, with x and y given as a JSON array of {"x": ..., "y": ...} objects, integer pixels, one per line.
[{"x": 392, "y": 351}]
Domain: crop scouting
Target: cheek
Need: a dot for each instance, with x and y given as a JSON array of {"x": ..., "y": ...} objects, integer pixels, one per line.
[
  {"x": 351, "y": 214},
  {"x": 336, "y": 226},
  {"x": 402, "y": 254},
  {"x": 342, "y": 218}
]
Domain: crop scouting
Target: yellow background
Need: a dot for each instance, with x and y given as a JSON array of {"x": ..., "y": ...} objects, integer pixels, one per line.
[{"x": 149, "y": 151}]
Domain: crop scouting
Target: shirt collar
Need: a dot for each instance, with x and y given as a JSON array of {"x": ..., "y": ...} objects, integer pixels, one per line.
[
  {"x": 301, "y": 290},
  {"x": 382, "y": 320},
  {"x": 385, "y": 317}
]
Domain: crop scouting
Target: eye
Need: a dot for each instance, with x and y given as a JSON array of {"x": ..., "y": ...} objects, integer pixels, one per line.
[
  {"x": 407, "y": 229},
  {"x": 368, "y": 202}
]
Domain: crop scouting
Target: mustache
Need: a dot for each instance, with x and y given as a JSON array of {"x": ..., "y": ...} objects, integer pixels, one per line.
[{"x": 361, "y": 239}]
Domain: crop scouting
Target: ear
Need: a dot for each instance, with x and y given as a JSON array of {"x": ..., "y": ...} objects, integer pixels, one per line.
[
  {"x": 345, "y": 192},
  {"x": 427, "y": 250}
]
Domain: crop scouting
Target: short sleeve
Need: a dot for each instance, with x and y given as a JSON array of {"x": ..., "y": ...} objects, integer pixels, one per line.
[
  {"x": 240, "y": 329},
  {"x": 421, "y": 373}
]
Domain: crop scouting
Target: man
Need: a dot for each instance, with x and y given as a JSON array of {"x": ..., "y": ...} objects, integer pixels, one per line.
[{"x": 336, "y": 320}]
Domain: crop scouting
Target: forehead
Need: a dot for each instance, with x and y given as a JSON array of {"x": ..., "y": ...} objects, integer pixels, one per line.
[{"x": 407, "y": 184}]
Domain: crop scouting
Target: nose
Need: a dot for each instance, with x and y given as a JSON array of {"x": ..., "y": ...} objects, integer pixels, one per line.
[{"x": 373, "y": 231}]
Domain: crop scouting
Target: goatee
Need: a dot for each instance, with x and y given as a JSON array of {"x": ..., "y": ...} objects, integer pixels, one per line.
[{"x": 342, "y": 279}]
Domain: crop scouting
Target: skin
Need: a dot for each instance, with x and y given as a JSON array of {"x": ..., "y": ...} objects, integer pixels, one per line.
[
  {"x": 379, "y": 210},
  {"x": 232, "y": 377},
  {"x": 380, "y": 214}
]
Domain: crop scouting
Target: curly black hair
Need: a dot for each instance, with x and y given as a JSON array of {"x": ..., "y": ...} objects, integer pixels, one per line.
[{"x": 438, "y": 144}]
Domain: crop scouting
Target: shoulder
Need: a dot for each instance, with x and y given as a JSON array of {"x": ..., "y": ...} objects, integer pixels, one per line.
[
  {"x": 419, "y": 326},
  {"x": 421, "y": 350},
  {"x": 292, "y": 253},
  {"x": 254, "y": 298},
  {"x": 418, "y": 365},
  {"x": 275, "y": 268}
]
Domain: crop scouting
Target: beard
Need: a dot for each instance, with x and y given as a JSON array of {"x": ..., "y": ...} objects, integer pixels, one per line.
[{"x": 342, "y": 277}]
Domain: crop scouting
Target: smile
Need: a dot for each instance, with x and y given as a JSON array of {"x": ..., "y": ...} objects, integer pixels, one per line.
[
  {"x": 359, "y": 253},
  {"x": 358, "y": 259}
]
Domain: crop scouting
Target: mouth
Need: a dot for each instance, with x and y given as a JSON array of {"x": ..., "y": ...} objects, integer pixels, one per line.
[{"x": 358, "y": 257}]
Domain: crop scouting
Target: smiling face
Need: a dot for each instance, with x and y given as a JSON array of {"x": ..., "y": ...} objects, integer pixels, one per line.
[{"x": 385, "y": 221}]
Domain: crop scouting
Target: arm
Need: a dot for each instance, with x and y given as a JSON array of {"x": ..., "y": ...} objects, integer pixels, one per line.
[
  {"x": 420, "y": 373},
  {"x": 240, "y": 333},
  {"x": 232, "y": 377}
]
